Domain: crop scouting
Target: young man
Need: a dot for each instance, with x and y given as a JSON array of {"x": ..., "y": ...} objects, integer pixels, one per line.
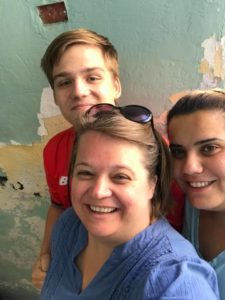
[{"x": 82, "y": 69}]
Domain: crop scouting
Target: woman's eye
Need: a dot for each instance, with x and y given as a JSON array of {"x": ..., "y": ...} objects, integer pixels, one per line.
[
  {"x": 210, "y": 149},
  {"x": 177, "y": 152},
  {"x": 121, "y": 177},
  {"x": 83, "y": 174}
]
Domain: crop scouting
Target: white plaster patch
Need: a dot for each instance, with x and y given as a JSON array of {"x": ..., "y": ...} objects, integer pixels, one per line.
[
  {"x": 208, "y": 82},
  {"x": 209, "y": 46},
  {"x": 212, "y": 64},
  {"x": 48, "y": 109},
  {"x": 14, "y": 143},
  {"x": 41, "y": 129}
]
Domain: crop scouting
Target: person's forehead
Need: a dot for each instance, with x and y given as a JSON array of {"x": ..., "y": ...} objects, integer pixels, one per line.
[
  {"x": 82, "y": 55},
  {"x": 83, "y": 50},
  {"x": 199, "y": 125}
]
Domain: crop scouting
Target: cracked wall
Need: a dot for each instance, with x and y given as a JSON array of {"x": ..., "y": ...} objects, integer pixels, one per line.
[
  {"x": 24, "y": 202},
  {"x": 212, "y": 64},
  {"x": 165, "y": 48}
]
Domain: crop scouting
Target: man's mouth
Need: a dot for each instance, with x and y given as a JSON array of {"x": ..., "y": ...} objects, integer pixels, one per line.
[{"x": 81, "y": 107}]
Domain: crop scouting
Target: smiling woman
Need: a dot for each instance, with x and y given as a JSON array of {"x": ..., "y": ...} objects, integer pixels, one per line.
[
  {"x": 104, "y": 194},
  {"x": 115, "y": 243},
  {"x": 196, "y": 129}
]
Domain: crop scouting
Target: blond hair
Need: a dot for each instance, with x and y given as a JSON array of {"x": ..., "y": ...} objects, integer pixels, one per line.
[
  {"x": 74, "y": 37},
  {"x": 156, "y": 157}
]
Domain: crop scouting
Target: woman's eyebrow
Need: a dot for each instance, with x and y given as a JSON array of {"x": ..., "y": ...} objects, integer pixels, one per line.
[{"x": 201, "y": 142}]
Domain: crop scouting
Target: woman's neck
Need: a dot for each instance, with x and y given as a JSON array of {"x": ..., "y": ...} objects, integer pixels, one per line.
[{"x": 92, "y": 258}]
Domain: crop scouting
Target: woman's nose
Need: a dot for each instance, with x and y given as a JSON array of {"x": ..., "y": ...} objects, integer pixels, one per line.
[
  {"x": 101, "y": 189},
  {"x": 192, "y": 165}
]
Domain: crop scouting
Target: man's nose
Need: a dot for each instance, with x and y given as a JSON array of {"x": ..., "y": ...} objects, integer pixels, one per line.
[{"x": 80, "y": 88}]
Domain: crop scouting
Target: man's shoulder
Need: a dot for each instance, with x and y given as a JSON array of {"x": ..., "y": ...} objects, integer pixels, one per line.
[
  {"x": 56, "y": 156},
  {"x": 61, "y": 137},
  {"x": 62, "y": 141}
]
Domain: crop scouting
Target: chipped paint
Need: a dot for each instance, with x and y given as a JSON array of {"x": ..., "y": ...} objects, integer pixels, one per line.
[
  {"x": 50, "y": 118},
  {"x": 24, "y": 199},
  {"x": 157, "y": 66},
  {"x": 212, "y": 65},
  {"x": 23, "y": 164}
]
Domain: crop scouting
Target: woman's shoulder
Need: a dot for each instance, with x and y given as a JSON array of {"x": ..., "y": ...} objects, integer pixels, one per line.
[
  {"x": 169, "y": 238},
  {"x": 179, "y": 269},
  {"x": 182, "y": 279}
]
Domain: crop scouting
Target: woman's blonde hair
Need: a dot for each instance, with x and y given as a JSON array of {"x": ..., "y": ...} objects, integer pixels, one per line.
[{"x": 156, "y": 157}]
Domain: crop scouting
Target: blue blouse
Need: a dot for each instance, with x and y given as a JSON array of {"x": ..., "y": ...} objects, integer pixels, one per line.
[{"x": 158, "y": 263}]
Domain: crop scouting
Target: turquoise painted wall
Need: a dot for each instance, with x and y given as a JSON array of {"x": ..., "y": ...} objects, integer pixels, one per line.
[{"x": 159, "y": 43}]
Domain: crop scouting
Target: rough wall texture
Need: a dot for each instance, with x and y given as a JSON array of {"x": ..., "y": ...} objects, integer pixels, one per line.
[{"x": 165, "y": 47}]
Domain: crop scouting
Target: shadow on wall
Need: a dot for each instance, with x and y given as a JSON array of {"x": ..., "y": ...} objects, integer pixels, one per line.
[
  {"x": 19, "y": 294},
  {"x": 21, "y": 229}
]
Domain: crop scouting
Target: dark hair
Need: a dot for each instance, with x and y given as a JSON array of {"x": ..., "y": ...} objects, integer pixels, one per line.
[
  {"x": 156, "y": 157},
  {"x": 198, "y": 100},
  {"x": 80, "y": 36}
]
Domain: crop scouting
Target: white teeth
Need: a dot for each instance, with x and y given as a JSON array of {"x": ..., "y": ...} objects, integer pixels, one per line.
[
  {"x": 102, "y": 209},
  {"x": 199, "y": 184}
]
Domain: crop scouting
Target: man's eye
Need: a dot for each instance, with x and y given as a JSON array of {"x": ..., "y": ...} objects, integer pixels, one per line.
[
  {"x": 93, "y": 78},
  {"x": 177, "y": 152},
  {"x": 63, "y": 83}
]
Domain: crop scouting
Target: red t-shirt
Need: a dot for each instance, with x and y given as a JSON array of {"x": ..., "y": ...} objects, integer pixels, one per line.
[
  {"x": 176, "y": 215},
  {"x": 57, "y": 155}
]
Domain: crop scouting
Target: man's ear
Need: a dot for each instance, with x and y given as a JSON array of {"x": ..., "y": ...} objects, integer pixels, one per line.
[
  {"x": 54, "y": 97},
  {"x": 118, "y": 87}
]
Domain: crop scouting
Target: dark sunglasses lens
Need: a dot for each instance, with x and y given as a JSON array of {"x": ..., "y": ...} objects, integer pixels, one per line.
[
  {"x": 137, "y": 114},
  {"x": 97, "y": 109}
]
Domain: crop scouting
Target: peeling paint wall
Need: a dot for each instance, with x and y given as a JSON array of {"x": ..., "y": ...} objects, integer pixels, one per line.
[
  {"x": 23, "y": 202},
  {"x": 165, "y": 48},
  {"x": 212, "y": 65}
]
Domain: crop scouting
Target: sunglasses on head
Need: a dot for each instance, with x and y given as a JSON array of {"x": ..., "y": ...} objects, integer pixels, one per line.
[{"x": 135, "y": 113}]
